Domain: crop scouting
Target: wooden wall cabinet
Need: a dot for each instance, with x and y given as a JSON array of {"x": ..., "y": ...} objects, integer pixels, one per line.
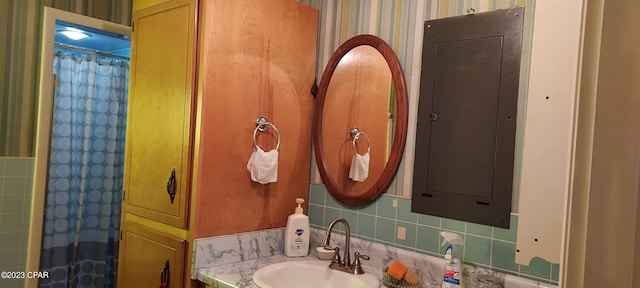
[
  {"x": 159, "y": 118},
  {"x": 250, "y": 58},
  {"x": 158, "y": 145}
]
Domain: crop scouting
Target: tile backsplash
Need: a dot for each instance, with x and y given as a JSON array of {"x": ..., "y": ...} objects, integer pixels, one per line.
[
  {"x": 485, "y": 246},
  {"x": 16, "y": 177}
]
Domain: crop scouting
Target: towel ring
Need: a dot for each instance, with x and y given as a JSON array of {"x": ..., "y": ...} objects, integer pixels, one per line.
[
  {"x": 261, "y": 125},
  {"x": 355, "y": 134}
]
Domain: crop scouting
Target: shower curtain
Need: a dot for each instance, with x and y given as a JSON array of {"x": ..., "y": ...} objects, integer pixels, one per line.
[{"x": 82, "y": 216}]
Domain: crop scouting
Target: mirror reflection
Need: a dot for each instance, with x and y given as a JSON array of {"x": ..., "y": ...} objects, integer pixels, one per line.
[
  {"x": 360, "y": 95},
  {"x": 362, "y": 85}
]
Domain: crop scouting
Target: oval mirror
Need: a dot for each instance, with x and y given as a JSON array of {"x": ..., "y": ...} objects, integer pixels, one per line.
[{"x": 361, "y": 109}]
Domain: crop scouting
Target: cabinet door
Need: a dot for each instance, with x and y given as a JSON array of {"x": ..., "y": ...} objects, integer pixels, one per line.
[
  {"x": 463, "y": 167},
  {"x": 159, "y": 118},
  {"x": 144, "y": 254}
]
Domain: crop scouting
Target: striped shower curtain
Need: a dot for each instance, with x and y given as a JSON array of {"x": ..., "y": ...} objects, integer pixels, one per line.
[{"x": 82, "y": 219}]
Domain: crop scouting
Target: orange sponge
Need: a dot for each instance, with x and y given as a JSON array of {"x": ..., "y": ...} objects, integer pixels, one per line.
[
  {"x": 411, "y": 278},
  {"x": 397, "y": 270}
]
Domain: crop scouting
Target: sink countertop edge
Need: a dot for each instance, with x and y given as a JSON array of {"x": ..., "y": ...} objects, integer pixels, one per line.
[{"x": 240, "y": 274}]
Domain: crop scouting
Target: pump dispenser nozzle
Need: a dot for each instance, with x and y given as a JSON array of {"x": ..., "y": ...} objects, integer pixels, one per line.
[{"x": 299, "y": 209}]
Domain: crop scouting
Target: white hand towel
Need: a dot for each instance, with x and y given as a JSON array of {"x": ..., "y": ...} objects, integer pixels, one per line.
[
  {"x": 263, "y": 166},
  {"x": 359, "y": 167}
]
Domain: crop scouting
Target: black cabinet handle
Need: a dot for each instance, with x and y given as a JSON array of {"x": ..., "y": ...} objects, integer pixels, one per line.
[
  {"x": 171, "y": 185},
  {"x": 164, "y": 275}
]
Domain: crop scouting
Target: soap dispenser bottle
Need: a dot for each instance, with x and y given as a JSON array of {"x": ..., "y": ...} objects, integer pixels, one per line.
[{"x": 296, "y": 235}]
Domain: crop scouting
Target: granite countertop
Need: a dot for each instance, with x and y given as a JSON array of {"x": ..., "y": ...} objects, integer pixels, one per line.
[{"x": 240, "y": 274}]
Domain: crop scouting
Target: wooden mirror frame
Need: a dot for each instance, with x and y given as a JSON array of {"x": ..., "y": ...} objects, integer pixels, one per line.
[{"x": 397, "y": 148}]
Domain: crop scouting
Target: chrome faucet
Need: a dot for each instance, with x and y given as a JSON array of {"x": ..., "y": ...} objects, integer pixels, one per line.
[{"x": 343, "y": 264}]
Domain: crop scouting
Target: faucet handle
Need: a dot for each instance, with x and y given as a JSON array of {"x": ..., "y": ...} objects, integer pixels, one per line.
[
  {"x": 357, "y": 266},
  {"x": 336, "y": 255}
]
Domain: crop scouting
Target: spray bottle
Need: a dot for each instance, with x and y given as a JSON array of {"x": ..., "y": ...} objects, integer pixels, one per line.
[{"x": 453, "y": 260}]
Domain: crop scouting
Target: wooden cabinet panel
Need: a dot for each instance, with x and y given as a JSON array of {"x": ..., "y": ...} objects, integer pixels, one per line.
[
  {"x": 159, "y": 119},
  {"x": 256, "y": 58},
  {"x": 143, "y": 254}
]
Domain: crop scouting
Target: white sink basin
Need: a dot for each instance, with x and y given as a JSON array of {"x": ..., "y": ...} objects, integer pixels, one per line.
[{"x": 310, "y": 274}]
